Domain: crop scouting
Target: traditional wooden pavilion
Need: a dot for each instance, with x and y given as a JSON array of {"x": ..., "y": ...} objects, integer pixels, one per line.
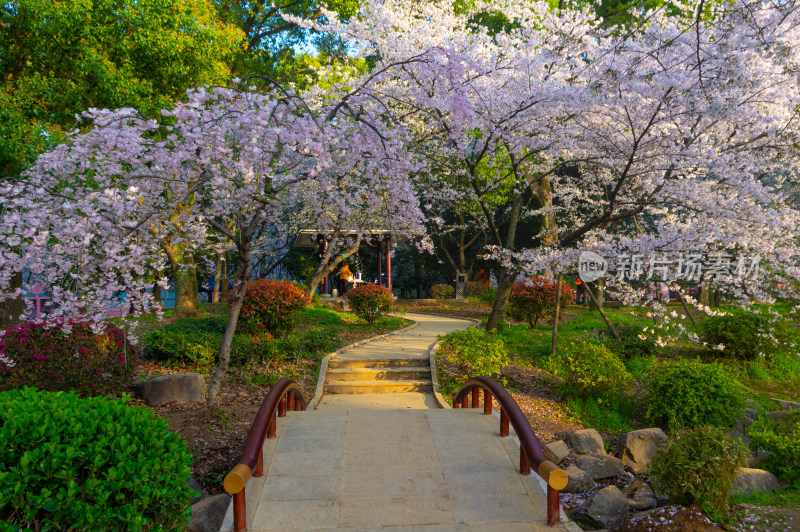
[{"x": 381, "y": 240}]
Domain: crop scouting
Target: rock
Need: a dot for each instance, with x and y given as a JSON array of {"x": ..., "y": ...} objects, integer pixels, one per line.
[
  {"x": 750, "y": 480},
  {"x": 586, "y": 441},
  {"x": 645, "y": 503},
  {"x": 639, "y": 447},
  {"x": 577, "y": 480},
  {"x": 599, "y": 466},
  {"x": 782, "y": 416},
  {"x": 556, "y": 451},
  {"x": 787, "y": 405},
  {"x": 183, "y": 388},
  {"x": 207, "y": 515},
  {"x": 603, "y": 510}
]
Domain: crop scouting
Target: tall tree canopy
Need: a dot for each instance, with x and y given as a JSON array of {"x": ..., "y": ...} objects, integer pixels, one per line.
[{"x": 59, "y": 58}]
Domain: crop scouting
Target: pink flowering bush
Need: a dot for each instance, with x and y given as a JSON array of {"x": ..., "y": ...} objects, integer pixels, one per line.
[{"x": 44, "y": 356}]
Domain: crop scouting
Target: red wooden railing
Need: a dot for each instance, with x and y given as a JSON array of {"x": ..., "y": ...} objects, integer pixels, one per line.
[
  {"x": 285, "y": 395},
  {"x": 530, "y": 451}
]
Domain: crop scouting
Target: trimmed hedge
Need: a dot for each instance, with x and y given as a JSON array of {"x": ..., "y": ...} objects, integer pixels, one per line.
[
  {"x": 68, "y": 463},
  {"x": 370, "y": 301},
  {"x": 272, "y": 306}
]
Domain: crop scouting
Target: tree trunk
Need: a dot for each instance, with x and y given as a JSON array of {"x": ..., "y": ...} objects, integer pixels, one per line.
[
  {"x": 217, "y": 278},
  {"x": 327, "y": 266},
  {"x": 12, "y": 309},
  {"x": 555, "y": 317},
  {"x": 187, "y": 302},
  {"x": 599, "y": 308},
  {"x": 226, "y": 285},
  {"x": 418, "y": 275},
  {"x": 242, "y": 276},
  {"x": 498, "y": 314},
  {"x": 157, "y": 294}
]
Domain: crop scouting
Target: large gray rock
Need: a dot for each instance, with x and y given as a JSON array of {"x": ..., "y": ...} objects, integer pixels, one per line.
[
  {"x": 578, "y": 480},
  {"x": 207, "y": 515},
  {"x": 639, "y": 447},
  {"x": 603, "y": 510},
  {"x": 640, "y": 495},
  {"x": 556, "y": 451},
  {"x": 787, "y": 405},
  {"x": 183, "y": 388},
  {"x": 740, "y": 429},
  {"x": 750, "y": 480},
  {"x": 599, "y": 466},
  {"x": 586, "y": 441}
]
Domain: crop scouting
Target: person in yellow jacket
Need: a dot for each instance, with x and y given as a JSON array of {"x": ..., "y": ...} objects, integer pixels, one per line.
[{"x": 344, "y": 278}]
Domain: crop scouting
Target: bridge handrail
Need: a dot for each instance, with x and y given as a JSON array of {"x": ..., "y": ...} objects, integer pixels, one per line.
[
  {"x": 530, "y": 449},
  {"x": 285, "y": 395}
]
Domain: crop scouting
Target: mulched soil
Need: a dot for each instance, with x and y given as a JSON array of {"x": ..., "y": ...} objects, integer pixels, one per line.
[
  {"x": 540, "y": 402},
  {"x": 669, "y": 519}
]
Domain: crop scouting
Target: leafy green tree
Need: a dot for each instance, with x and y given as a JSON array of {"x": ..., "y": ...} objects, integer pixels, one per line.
[{"x": 61, "y": 58}]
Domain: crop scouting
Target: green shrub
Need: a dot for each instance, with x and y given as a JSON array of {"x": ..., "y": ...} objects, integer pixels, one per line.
[
  {"x": 588, "y": 368},
  {"x": 370, "y": 301},
  {"x": 470, "y": 353},
  {"x": 195, "y": 344},
  {"x": 632, "y": 342},
  {"x": 689, "y": 393},
  {"x": 739, "y": 333},
  {"x": 699, "y": 465},
  {"x": 613, "y": 413},
  {"x": 476, "y": 289},
  {"x": 781, "y": 440},
  {"x": 488, "y": 297},
  {"x": 68, "y": 463},
  {"x": 272, "y": 306},
  {"x": 46, "y": 356},
  {"x": 192, "y": 351},
  {"x": 443, "y": 291},
  {"x": 534, "y": 299}
]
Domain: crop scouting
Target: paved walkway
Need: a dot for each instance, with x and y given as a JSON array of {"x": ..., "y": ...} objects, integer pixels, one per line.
[{"x": 393, "y": 462}]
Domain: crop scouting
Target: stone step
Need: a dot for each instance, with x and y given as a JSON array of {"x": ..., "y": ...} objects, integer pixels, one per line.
[
  {"x": 417, "y": 385},
  {"x": 378, "y": 374},
  {"x": 352, "y": 363}
]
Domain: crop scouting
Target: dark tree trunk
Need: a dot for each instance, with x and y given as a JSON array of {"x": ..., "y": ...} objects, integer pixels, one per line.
[
  {"x": 11, "y": 310},
  {"x": 242, "y": 276}
]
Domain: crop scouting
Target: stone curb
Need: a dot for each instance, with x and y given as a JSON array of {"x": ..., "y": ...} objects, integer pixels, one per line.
[{"x": 323, "y": 368}]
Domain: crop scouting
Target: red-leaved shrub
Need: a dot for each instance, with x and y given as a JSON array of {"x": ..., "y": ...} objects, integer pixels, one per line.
[
  {"x": 535, "y": 298},
  {"x": 45, "y": 356},
  {"x": 272, "y": 305},
  {"x": 370, "y": 301}
]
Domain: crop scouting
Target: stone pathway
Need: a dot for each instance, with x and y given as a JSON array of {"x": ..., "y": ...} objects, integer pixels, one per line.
[{"x": 393, "y": 462}]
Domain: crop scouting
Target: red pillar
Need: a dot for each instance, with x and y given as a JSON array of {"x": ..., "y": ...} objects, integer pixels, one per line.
[
  {"x": 380, "y": 263},
  {"x": 389, "y": 262}
]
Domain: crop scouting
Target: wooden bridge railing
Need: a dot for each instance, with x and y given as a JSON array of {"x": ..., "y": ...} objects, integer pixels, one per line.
[
  {"x": 530, "y": 451},
  {"x": 285, "y": 395}
]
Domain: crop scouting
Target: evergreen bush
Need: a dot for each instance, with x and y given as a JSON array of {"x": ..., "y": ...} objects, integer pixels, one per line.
[
  {"x": 781, "y": 442},
  {"x": 534, "y": 299},
  {"x": 71, "y": 463},
  {"x": 370, "y": 301},
  {"x": 272, "y": 306},
  {"x": 689, "y": 393},
  {"x": 588, "y": 368},
  {"x": 699, "y": 465}
]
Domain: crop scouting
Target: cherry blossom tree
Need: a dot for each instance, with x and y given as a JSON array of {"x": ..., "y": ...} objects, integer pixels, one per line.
[{"x": 229, "y": 163}]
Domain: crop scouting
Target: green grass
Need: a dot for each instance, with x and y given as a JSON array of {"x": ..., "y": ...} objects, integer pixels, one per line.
[
  {"x": 533, "y": 345},
  {"x": 609, "y": 415},
  {"x": 787, "y": 497}
]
